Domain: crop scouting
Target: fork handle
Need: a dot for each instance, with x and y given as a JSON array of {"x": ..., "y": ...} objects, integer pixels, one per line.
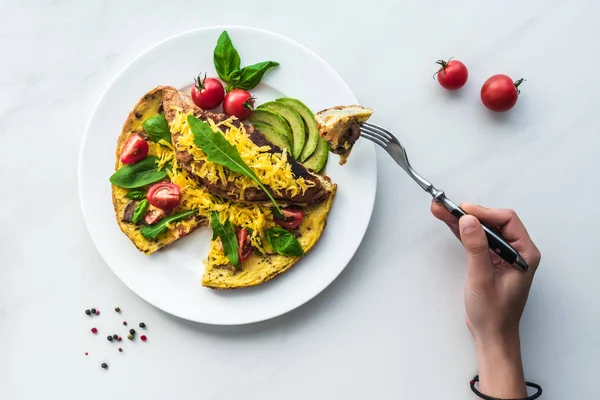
[{"x": 496, "y": 242}]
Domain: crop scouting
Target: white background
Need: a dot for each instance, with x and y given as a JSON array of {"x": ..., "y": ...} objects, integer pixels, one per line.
[{"x": 392, "y": 325}]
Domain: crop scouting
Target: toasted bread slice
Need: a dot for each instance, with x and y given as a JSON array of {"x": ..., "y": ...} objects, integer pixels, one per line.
[{"x": 340, "y": 127}]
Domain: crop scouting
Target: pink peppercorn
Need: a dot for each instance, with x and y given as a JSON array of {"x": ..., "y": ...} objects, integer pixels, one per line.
[
  {"x": 144, "y": 338},
  {"x": 94, "y": 330}
]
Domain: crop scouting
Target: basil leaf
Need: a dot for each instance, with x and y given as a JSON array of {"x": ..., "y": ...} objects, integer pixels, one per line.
[
  {"x": 226, "y": 57},
  {"x": 234, "y": 78},
  {"x": 220, "y": 151},
  {"x": 140, "y": 174},
  {"x": 228, "y": 238},
  {"x": 157, "y": 128},
  {"x": 152, "y": 231},
  {"x": 251, "y": 75},
  {"x": 136, "y": 194},
  {"x": 284, "y": 243},
  {"x": 140, "y": 211}
]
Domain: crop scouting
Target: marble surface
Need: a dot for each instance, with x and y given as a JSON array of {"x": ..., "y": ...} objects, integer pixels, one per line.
[{"x": 392, "y": 325}]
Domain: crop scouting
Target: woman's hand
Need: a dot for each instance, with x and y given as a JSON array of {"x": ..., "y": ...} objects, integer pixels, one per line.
[{"x": 495, "y": 294}]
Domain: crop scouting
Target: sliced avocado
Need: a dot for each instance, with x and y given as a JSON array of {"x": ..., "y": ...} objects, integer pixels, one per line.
[
  {"x": 293, "y": 119},
  {"x": 318, "y": 159},
  {"x": 273, "y": 136},
  {"x": 312, "y": 131},
  {"x": 272, "y": 119}
]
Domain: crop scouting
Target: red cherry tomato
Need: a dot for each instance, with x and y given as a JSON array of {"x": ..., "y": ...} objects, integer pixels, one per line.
[
  {"x": 207, "y": 93},
  {"x": 500, "y": 93},
  {"x": 292, "y": 217},
  {"x": 238, "y": 103},
  {"x": 164, "y": 195},
  {"x": 244, "y": 245},
  {"x": 153, "y": 215},
  {"x": 452, "y": 74},
  {"x": 135, "y": 149}
]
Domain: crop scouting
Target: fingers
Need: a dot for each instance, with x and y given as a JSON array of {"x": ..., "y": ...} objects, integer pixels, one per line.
[
  {"x": 440, "y": 212},
  {"x": 481, "y": 270}
]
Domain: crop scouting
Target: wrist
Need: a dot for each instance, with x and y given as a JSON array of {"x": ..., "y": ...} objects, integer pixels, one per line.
[{"x": 500, "y": 365}]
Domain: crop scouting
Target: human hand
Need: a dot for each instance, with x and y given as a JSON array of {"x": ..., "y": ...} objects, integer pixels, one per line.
[{"x": 495, "y": 292}]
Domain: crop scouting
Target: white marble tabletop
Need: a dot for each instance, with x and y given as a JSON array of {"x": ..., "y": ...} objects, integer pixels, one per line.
[{"x": 392, "y": 325}]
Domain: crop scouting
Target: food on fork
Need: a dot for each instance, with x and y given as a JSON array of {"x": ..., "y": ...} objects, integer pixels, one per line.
[{"x": 340, "y": 127}]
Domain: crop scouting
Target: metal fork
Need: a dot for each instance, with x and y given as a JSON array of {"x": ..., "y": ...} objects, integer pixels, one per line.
[{"x": 386, "y": 140}]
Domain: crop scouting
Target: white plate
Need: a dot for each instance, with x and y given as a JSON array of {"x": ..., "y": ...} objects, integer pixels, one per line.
[{"x": 170, "y": 279}]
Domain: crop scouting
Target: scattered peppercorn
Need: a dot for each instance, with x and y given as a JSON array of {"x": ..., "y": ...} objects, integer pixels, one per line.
[
  {"x": 119, "y": 338},
  {"x": 93, "y": 311},
  {"x": 109, "y": 338},
  {"x": 86, "y": 353},
  {"x": 132, "y": 331},
  {"x": 120, "y": 350},
  {"x": 117, "y": 309},
  {"x": 104, "y": 365},
  {"x": 143, "y": 337},
  {"x": 130, "y": 337},
  {"x": 125, "y": 323},
  {"x": 94, "y": 330},
  {"x": 116, "y": 337},
  {"x": 97, "y": 312},
  {"x": 87, "y": 312},
  {"x": 142, "y": 325}
]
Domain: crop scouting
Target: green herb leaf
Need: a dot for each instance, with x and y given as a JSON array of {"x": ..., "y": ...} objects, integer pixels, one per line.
[
  {"x": 152, "y": 231},
  {"x": 251, "y": 75},
  {"x": 226, "y": 57},
  {"x": 136, "y": 194},
  {"x": 228, "y": 238},
  {"x": 220, "y": 151},
  {"x": 284, "y": 243},
  {"x": 157, "y": 128},
  {"x": 140, "y": 174},
  {"x": 140, "y": 211}
]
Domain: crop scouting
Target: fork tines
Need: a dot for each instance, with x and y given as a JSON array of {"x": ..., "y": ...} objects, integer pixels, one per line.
[{"x": 376, "y": 134}]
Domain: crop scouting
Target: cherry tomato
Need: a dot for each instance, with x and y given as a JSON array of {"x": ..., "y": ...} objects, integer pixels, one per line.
[
  {"x": 292, "y": 217},
  {"x": 452, "y": 74},
  {"x": 153, "y": 215},
  {"x": 135, "y": 149},
  {"x": 207, "y": 93},
  {"x": 244, "y": 245},
  {"x": 239, "y": 103},
  {"x": 164, "y": 195},
  {"x": 500, "y": 93}
]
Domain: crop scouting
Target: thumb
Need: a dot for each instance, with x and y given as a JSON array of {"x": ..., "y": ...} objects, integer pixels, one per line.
[{"x": 475, "y": 243}]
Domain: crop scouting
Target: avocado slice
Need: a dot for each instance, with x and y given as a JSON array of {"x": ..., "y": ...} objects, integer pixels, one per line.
[
  {"x": 312, "y": 131},
  {"x": 318, "y": 159},
  {"x": 272, "y": 119},
  {"x": 293, "y": 119},
  {"x": 273, "y": 136}
]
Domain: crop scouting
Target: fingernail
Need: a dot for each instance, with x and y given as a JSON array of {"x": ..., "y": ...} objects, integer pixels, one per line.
[{"x": 468, "y": 224}]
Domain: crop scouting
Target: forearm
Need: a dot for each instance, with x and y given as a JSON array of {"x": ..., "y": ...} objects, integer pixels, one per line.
[{"x": 501, "y": 367}]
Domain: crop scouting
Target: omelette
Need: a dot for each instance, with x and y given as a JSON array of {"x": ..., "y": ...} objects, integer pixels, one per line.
[
  {"x": 208, "y": 191},
  {"x": 340, "y": 127}
]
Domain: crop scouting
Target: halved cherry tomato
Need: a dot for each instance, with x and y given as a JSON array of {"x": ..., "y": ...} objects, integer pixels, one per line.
[
  {"x": 153, "y": 215},
  {"x": 135, "y": 149},
  {"x": 207, "y": 93},
  {"x": 292, "y": 217},
  {"x": 238, "y": 103},
  {"x": 164, "y": 195},
  {"x": 244, "y": 245}
]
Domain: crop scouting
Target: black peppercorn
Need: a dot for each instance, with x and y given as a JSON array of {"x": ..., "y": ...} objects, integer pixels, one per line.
[
  {"x": 117, "y": 309},
  {"x": 115, "y": 336},
  {"x": 93, "y": 311},
  {"x": 132, "y": 331},
  {"x": 87, "y": 312},
  {"x": 109, "y": 338},
  {"x": 125, "y": 323},
  {"x": 142, "y": 325},
  {"x": 120, "y": 350},
  {"x": 104, "y": 365}
]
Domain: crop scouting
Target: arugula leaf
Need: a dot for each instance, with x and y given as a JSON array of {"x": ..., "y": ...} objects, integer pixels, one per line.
[
  {"x": 220, "y": 151},
  {"x": 226, "y": 57},
  {"x": 152, "y": 231},
  {"x": 136, "y": 194},
  {"x": 251, "y": 75},
  {"x": 140, "y": 211},
  {"x": 140, "y": 174},
  {"x": 284, "y": 243},
  {"x": 228, "y": 238},
  {"x": 157, "y": 128}
]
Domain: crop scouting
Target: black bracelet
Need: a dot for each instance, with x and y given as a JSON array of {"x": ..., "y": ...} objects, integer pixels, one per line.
[{"x": 483, "y": 396}]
